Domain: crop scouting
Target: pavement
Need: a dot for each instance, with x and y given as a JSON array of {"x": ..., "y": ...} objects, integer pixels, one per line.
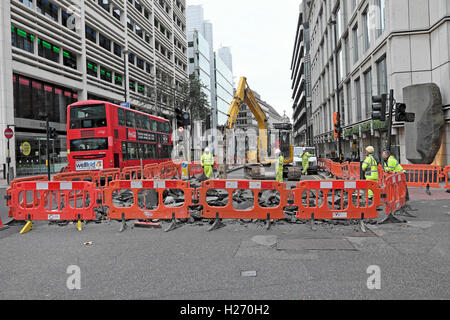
[{"x": 239, "y": 261}]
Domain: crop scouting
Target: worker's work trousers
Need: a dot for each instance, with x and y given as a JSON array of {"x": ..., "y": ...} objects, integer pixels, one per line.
[
  {"x": 207, "y": 169},
  {"x": 370, "y": 191},
  {"x": 305, "y": 169}
]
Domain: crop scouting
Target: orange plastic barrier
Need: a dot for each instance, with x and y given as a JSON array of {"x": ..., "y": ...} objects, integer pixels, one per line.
[
  {"x": 336, "y": 169},
  {"x": 446, "y": 174},
  {"x": 63, "y": 201},
  {"x": 308, "y": 198},
  {"x": 328, "y": 164},
  {"x": 89, "y": 176},
  {"x": 152, "y": 171},
  {"x": 421, "y": 175},
  {"x": 354, "y": 170},
  {"x": 345, "y": 170},
  {"x": 13, "y": 184},
  {"x": 104, "y": 177},
  {"x": 230, "y": 212},
  {"x": 395, "y": 191},
  {"x": 169, "y": 170},
  {"x": 195, "y": 168},
  {"x": 137, "y": 209},
  {"x": 131, "y": 173}
]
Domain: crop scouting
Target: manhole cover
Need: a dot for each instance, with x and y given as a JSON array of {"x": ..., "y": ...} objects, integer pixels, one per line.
[{"x": 314, "y": 244}]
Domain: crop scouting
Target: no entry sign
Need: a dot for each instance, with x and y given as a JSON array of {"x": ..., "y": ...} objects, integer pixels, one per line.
[{"x": 9, "y": 133}]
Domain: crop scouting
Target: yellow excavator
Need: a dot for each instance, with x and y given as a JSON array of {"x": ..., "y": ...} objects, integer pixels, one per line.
[{"x": 258, "y": 159}]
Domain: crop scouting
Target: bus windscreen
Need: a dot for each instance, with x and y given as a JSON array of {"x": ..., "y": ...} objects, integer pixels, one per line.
[
  {"x": 88, "y": 117},
  {"x": 92, "y": 144}
]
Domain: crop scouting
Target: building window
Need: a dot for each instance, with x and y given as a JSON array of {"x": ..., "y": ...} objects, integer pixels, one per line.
[
  {"x": 91, "y": 34},
  {"x": 148, "y": 68},
  {"x": 105, "y": 4},
  {"x": 130, "y": 24},
  {"x": 355, "y": 44},
  {"x": 132, "y": 85},
  {"x": 381, "y": 17},
  {"x": 140, "y": 63},
  {"x": 65, "y": 20},
  {"x": 117, "y": 50},
  {"x": 118, "y": 79},
  {"x": 116, "y": 13},
  {"x": 48, "y": 51},
  {"x": 131, "y": 58},
  {"x": 137, "y": 5},
  {"x": 106, "y": 74},
  {"x": 48, "y": 9},
  {"x": 28, "y": 3},
  {"x": 366, "y": 30},
  {"x": 368, "y": 92},
  {"x": 69, "y": 59},
  {"x": 358, "y": 100},
  {"x": 141, "y": 88},
  {"x": 104, "y": 42},
  {"x": 349, "y": 104},
  {"x": 22, "y": 40},
  {"x": 91, "y": 68},
  {"x": 382, "y": 76},
  {"x": 139, "y": 31}
]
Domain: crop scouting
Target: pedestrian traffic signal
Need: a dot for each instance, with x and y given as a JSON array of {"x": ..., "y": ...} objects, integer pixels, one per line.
[
  {"x": 401, "y": 115},
  {"x": 52, "y": 133},
  {"x": 337, "y": 125},
  {"x": 379, "y": 107},
  {"x": 186, "y": 118}
]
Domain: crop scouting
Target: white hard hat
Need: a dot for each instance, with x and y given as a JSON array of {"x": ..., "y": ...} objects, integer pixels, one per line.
[
  {"x": 370, "y": 149},
  {"x": 278, "y": 151},
  {"x": 207, "y": 150}
]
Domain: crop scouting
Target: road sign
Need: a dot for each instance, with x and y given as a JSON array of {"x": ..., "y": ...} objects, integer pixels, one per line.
[
  {"x": 125, "y": 105},
  {"x": 9, "y": 133}
]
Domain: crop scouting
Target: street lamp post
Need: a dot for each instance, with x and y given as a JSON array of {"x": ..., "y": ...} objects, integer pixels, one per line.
[
  {"x": 333, "y": 22},
  {"x": 125, "y": 70}
]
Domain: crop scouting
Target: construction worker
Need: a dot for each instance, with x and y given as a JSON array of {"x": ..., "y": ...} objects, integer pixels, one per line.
[
  {"x": 279, "y": 163},
  {"x": 207, "y": 162},
  {"x": 392, "y": 165},
  {"x": 370, "y": 167},
  {"x": 305, "y": 161}
]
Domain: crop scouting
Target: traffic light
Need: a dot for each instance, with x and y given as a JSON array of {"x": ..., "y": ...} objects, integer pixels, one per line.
[
  {"x": 52, "y": 133},
  {"x": 179, "y": 116},
  {"x": 379, "y": 107},
  {"x": 186, "y": 118},
  {"x": 401, "y": 115},
  {"x": 337, "y": 125}
]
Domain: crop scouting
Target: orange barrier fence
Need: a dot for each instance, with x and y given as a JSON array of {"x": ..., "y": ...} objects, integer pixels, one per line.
[
  {"x": 255, "y": 190},
  {"x": 63, "y": 201},
  {"x": 336, "y": 169},
  {"x": 169, "y": 170},
  {"x": 195, "y": 168},
  {"x": 152, "y": 171},
  {"x": 345, "y": 170},
  {"x": 147, "y": 199},
  {"x": 446, "y": 174},
  {"x": 395, "y": 191},
  {"x": 13, "y": 184},
  {"x": 333, "y": 199},
  {"x": 354, "y": 170},
  {"x": 131, "y": 173},
  {"x": 419, "y": 175}
]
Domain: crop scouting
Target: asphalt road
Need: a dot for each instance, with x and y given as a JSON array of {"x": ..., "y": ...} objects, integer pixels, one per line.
[{"x": 291, "y": 261}]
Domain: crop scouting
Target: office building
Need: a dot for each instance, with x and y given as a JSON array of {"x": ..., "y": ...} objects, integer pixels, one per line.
[{"x": 59, "y": 52}]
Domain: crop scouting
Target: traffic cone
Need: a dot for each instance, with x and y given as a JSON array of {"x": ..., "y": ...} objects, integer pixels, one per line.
[{"x": 2, "y": 226}]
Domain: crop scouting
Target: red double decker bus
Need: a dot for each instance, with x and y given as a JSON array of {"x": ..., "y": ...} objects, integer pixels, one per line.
[{"x": 101, "y": 135}]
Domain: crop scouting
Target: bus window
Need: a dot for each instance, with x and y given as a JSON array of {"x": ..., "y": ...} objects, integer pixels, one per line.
[
  {"x": 93, "y": 144},
  {"x": 154, "y": 126},
  {"x": 161, "y": 127},
  {"x": 141, "y": 151},
  {"x": 121, "y": 116},
  {"x": 88, "y": 117},
  {"x": 151, "y": 151},
  {"x": 131, "y": 155},
  {"x": 138, "y": 121},
  {"x": 147, "y": 123},
  {"x": 166, "y": 127},
  {"x": 131, "y": 120},
  {"x": 124, "y": 151}
]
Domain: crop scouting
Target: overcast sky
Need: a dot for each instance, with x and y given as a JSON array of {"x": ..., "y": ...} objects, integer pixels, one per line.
[{"x": 261, "y": 34}]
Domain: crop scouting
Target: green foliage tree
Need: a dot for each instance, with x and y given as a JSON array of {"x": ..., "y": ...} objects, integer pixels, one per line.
[{"x": 195, "y": 100}]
